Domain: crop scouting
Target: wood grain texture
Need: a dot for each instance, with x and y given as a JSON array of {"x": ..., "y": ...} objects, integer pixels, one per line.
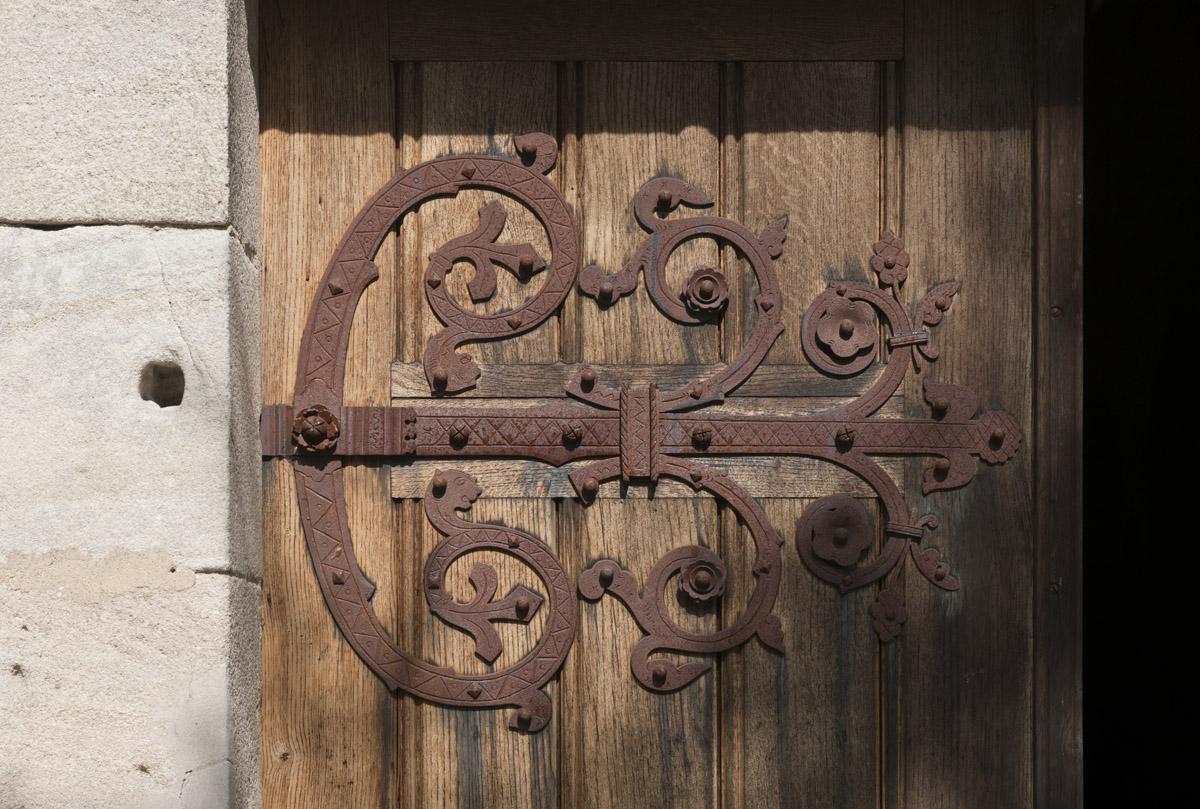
[
  {"x": 705, "y": 30},
  {"x": 640, "y": 121},
  {"x": 549, "y": 380},
  {"x": 977, "y": 704},
  {"x": 454, "y": 757},
  {"x": 326, "y": 143},
  {"x": 450, "y": 757},
  {"x": 965, "y": 662},
  {"x": 803, "y": 729},
  {"x": 1058, "y": 444},
  {"x": 622, "y": 745},
  {"x": 811, "y": 149},
  {"x": 477, "y": 108},
  {"x": 798, "y": 729}
]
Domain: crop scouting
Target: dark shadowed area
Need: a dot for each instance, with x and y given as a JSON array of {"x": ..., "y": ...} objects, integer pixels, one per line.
[{"x": 1141, "y": 181}]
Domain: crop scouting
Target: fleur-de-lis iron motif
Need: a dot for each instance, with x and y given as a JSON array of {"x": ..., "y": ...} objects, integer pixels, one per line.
[{"x": 637, "y": 435}]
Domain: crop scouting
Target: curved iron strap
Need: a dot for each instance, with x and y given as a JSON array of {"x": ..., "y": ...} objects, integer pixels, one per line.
[{"x": 636, "y": 435}]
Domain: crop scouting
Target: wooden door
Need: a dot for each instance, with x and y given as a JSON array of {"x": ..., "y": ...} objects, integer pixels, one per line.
[{"x": 954, "y": 125}]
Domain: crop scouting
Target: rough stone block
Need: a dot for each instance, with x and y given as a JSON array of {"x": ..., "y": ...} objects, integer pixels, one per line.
[
  {"x": 128, "y": 682},
  {"x": 91, "y": 464},
  {"x": 128, "y": 112}
]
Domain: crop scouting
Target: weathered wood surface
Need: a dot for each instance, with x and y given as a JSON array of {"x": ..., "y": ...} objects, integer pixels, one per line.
[
  {"x": 549, "y": 380},
  {"x": 622, "y": 745},
  {"x": 946, "y": 149},
  {"x": 328, "y": 725},
  {"x": 798, "y": 729},
  {"x": 803, "y": 729},
  {"x": 965, "y": 666},
  {"x": 1058, "y": 671},
  {"x": 630, "y": 30},
  {"x": 471, "y": 758}
]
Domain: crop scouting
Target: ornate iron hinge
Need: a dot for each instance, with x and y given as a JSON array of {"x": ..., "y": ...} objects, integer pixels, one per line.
[{"x": 635, "y": 434}]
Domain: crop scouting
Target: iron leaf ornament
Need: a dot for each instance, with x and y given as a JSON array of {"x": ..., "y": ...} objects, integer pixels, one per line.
[{"x": 634, "y": 434}]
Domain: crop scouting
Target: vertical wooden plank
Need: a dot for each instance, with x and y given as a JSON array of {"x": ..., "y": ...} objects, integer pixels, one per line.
[
  {"x": 812, "y": 151},
  {"x": 477, "y": 108},
  {"x": 799, "y": 729},
  {"x": 326, "y": 144},
  {"x": 642, "y": 120},
  {"x": 1058, "y": 442},
  {"x": 966, "y": 690},
  {"x": 891, "y": 208},
  {"x": 803, "y": 728},
  {"x": 452, "y": 757},
  {"x": 622, "y": 745}
]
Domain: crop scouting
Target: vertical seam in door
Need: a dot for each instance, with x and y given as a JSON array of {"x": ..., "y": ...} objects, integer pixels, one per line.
[{"x": 891, "y": 215}]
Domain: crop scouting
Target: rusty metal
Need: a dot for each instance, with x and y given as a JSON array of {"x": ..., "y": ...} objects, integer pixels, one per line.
[{"x": 633, "y": 434}]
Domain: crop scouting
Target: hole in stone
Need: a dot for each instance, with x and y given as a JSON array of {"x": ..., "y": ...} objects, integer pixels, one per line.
[{"x": 162, "y": 383}]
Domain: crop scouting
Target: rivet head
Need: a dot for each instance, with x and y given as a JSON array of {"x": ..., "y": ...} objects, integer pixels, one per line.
[
  {"x": 942, "y": 303},
  {"x": 434, "y": 582},
  {"x": 701, "y": 436},
  {"x": 942, "y": 465},
  {"x": 438, "y": 485},
  {"x": 572, "y": 432},
  {"x": 606, "y": 290},
  {"x": 524, "y": 717},
  {"x": 525, "y": 264},
  {"x": 605, "y": 575},
  {"x": 440, "y": 377},
  {"x": 659, "y": 673},
  {"x": 664, "y": 199},
  {"x": 841, "y": 535},
  {"x": 587, "y": 378},
  {"x": 474, "y": 690},
  {"x": 460, "y": 432},
  {"x": 939, "y": 573},
  {"x": 590, "y": 487},
  {"x": 522, "y": 605},
  {"x": 846, "y": 328},
  {"x": 845, "y": 436}
]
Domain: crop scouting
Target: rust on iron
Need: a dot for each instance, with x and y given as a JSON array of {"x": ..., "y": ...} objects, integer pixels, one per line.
[{"x": 632, "y": 434}]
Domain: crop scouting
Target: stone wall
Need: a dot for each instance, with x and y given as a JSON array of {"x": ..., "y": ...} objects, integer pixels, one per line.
[{"x": 129, "y": 519}]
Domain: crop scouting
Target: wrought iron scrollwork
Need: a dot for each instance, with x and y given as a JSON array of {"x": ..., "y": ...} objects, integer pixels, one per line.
[{"x": 637, "y": 435}]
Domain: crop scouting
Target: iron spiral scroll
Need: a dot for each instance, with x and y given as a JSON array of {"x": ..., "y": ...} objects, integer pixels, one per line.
[{"x": 637, "y": 435}]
